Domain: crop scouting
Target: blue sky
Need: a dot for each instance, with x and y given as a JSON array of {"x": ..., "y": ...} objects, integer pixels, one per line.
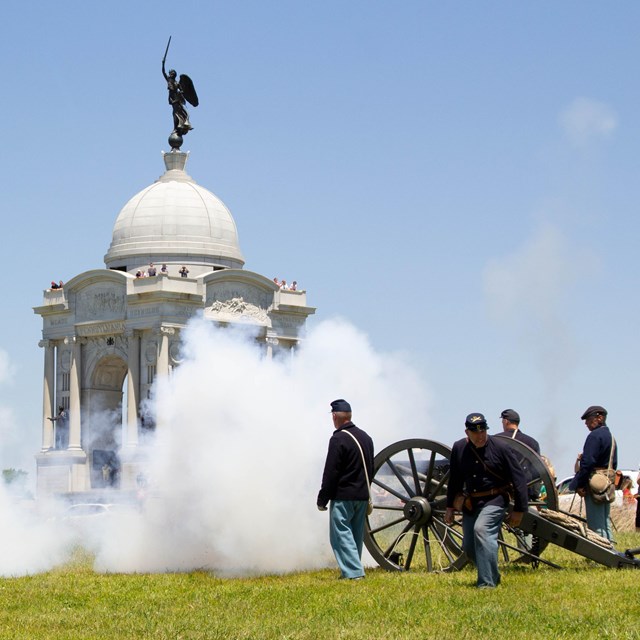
[{"x": 458, "y": 180}]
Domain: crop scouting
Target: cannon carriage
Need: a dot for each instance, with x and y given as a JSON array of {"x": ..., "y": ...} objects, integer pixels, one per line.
[{"x": 406, "y": 528}]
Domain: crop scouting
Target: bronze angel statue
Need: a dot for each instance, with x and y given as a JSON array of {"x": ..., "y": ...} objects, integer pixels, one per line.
[{"x": 180, "y": 91}]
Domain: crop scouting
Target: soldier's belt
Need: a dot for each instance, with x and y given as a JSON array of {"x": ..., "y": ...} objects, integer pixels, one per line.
[{"x": 489, "y": 492}]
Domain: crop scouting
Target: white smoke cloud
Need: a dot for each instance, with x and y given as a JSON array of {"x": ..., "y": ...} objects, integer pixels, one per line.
[
  {"x": 528, "y": 286},
  {"x": 31, "y": 542},
  {"x": 586, "y": 120},
  {"x": 528, "y": 294},
  {"x": 241, "y": 440}
]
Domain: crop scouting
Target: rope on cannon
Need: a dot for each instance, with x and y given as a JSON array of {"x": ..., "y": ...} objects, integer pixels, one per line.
[{"x": 576, "y": 526}]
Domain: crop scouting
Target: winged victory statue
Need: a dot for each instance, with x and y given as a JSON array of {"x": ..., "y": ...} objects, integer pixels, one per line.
[{"x": 180, "y": 91}]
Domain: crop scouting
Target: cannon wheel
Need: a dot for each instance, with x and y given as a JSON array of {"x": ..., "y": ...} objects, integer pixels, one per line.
[{"x": 409, "y": 489}]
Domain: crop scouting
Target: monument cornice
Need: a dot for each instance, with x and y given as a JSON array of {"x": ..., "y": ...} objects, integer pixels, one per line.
[
  {"x": 293, "y": 310},
  {"x": 51, "y": 309},
  {"x": 97, "y": 276}
]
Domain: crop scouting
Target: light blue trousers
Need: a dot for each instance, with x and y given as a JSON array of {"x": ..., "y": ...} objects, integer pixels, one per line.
[
  {"x": 346, "y": 534},
  {"x": 598, "y": 516},
  {"x": 480, "y": 542}
]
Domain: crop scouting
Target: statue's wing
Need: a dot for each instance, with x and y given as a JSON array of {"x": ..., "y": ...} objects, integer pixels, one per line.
[{"x": 188, "y": 90}]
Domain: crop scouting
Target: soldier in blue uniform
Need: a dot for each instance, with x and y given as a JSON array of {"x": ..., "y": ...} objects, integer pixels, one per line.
[
  {"x": 511, "y": 429},
  {"x": 344, "y": 483},
  {"x": 483, "y": 474},
  {"x": 596, "y": 454}
]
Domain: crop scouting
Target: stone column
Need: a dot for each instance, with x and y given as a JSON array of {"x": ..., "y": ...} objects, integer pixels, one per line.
[
  {"x": 272, "y": 342},
  {"x": 162, "y": 367},
  {"x": 48, "y": 393},
  {"x": 133, "y": 388},
  {"x": 74, "y": 393},
  {"x": 163, "y": 355}
]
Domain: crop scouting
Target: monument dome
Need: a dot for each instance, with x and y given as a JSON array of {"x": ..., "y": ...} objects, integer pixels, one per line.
[{"x": 177, "y": 222}]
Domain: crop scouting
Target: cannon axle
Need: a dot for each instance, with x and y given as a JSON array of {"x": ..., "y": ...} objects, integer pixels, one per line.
[{"x": 417, "y": 511}]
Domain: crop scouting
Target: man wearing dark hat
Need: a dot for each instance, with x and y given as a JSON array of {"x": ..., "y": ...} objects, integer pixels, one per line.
[
  {"x": 483, "y": 470},
  {"x": 344, "y": 483},
  {"x": 596, "y": 454},
  {"x": 511, "y": 429}
]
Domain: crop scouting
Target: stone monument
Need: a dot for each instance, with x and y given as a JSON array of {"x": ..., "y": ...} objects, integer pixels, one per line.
[{"x": 109, "y": 333}]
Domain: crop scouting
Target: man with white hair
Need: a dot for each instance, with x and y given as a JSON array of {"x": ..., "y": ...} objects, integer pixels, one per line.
[
  {"x": 511, "y": 429},
  {"x": 345, "y": 482}
]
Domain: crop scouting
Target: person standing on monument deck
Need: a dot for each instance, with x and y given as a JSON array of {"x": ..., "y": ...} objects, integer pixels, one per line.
[
  {"x": 482, "y": 472},
  {"x": 344, "y": 483},
  {"x": 596, "y": 454}
]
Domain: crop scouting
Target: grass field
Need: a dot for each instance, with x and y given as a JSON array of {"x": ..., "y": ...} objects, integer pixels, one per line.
[{"x": 581, "y": 601}]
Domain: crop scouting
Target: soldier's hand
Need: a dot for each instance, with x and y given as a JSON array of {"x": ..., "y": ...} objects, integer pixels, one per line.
[
  {"x": 515, "y": 518},
  {"x": 321, "y": 508},
  {"x": 448, "y": 515}
]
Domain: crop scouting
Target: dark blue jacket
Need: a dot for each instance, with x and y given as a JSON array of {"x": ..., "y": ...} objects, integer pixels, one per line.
[
  {"x": 595, "y": 455},
  {"x": 532, "y": 443},
  {"x": 344, "y": 477},
  {"x": 469, "y": 475}
]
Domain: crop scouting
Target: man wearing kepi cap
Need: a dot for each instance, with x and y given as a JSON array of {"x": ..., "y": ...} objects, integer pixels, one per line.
[
  {"x": 344, "y": 483},
  {"x": 596, "y": 454},
  {"x": 511, "y": 429},
  {"x": 483, "y": 471}
]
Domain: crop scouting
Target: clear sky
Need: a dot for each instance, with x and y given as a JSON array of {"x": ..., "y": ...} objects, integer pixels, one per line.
[{"x": 458, "y": 180}]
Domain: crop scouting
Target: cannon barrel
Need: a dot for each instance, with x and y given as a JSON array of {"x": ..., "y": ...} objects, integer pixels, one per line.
[{"x": 576, "y": 539}]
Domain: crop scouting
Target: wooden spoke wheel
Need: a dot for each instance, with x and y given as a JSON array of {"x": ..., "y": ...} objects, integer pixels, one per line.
[{"x": 406, "y": 529}]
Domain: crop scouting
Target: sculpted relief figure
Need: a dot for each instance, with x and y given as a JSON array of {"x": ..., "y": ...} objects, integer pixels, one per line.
[
  {"x": 180, "y": 91},
  {"x": 238, "y": 307},
  {"x": 96, "y": 302}
]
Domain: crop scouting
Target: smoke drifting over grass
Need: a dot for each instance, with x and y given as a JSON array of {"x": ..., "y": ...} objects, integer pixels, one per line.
[
  {"x": 241, "y": 439},
  {"x": 30, "y": 543}
]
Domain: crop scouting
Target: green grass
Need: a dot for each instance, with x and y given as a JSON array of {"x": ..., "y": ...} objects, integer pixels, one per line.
[{"x": 582, "y": 601}]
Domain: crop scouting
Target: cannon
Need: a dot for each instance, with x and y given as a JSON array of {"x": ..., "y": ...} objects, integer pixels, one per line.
[{"x": 406, "y": 528}]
